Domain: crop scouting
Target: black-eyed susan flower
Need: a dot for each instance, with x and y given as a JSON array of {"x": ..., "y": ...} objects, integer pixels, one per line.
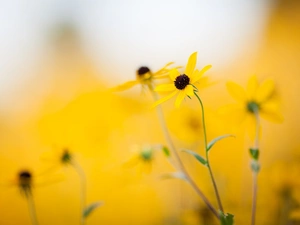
[
  {"x": 145, "y": 77},
  {"x": 182, "y": 85},
  {"x": 255, "y": 99}
]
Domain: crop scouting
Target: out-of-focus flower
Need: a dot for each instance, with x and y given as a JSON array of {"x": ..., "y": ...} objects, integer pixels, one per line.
[
  {"x": 144, "y": 76},
  {"x": 186, "y": 124},
  {"x": 182, "y": 85},
  {"x": 255, "y": 99},
  {"x": 58, "y": 157},
  {"x": 142, "y": 156}
]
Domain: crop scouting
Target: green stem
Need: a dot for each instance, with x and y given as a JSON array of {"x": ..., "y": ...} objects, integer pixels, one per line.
[
  {"x": 82, "y": 177},
  {"x": 180, "y": 165},
  {"x": 207, "y": 158},
  {"x": 255, "y": 173},
  {"x": 32, "y": 210}
]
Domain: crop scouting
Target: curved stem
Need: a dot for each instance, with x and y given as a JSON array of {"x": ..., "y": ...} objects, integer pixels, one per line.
[
  {"x": 178, "y": 160},
  {"x": 207, "y": 158},
  {"x": 255, "y": 173},
  {"x": 82, "y": 177},
  {"x": 32, "y": 210}
]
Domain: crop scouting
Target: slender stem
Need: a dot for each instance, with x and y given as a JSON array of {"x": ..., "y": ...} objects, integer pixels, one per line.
[
  {"x": 32, "y": 210},
  {"x": 207, "y": 158},
  {"x": 178, "y": 160},
  {"x": 82, "y": 177},
  {"x": 255, "y": 173}
]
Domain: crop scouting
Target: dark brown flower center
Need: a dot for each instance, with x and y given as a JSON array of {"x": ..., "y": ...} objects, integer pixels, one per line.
[
  {"x": 181, "y": 81},
  {"x": 25, "y": 182},
  {"x": 142, "y": 71}
]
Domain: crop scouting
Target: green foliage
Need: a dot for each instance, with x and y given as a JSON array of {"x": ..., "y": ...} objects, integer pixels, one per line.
[
  {"x": 166, "y": 151},
  {"x": 254, "y": 152},
  {"x": 210, "y": 144},
  {"x": 197, "y": 156},
  {"x": 90, "y": 208},
  {"x": 226, "y": 219}
]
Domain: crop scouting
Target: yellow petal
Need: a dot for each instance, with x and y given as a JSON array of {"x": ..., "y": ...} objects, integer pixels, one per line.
[
  {"x": 163, "y": 70},
  {"x": 236, "y": 91},
  {"x": 173, "y": 73},
  {"x": 233, "y": 113},
  {"x": 252, "y": 87},
  {"x": 189, "y": 90},
  {"x": 164, "y": 99},
  {"x": 197, "y": 75},
  {"x": 179, "y": 98},
  {"x": 270, "y": 111},
  {"x": 265, "y": 91},
  {"x": 165, "y": 87},
  {"x": 125, "y": 86},
  {"x": 190, "y": 66}
]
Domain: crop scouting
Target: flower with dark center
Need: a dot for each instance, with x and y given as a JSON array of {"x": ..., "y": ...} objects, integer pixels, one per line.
[
  {"x": 182, "y": 84},
  {"x": 144, "y": 76},
  {"x": 182, "y": 81},
  {"x": 142, "y": 71},
  {"x": 25, "y": 181}
]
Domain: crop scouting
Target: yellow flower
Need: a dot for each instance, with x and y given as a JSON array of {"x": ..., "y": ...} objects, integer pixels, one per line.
[
  {"x": 144, "y": 76},
  {"x": 182, "y": 84},
  {"x": 142, "y": 157},
  {"x": 255, "y": 99},
  {"x": 58, "y": 157}
]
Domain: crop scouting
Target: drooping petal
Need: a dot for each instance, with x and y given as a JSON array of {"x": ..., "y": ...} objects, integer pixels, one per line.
[
  {"x": 252, "y": 86},
  {"x": 163, "y": 70},
  {"x": 179, "y": 98},
  {"x": 265, "y": 91},
  {"x": 164, "y": 99},
  {"x": 197, "y": 75},
  {"x": 189, "y": 90},
  {"x": 125, "y": 86},
  {"x": 236, "y": 91},
  {"x": 173, "y": 73},
  {"x": 190, "y": 66},
  {"x": 165, "y": 87}
]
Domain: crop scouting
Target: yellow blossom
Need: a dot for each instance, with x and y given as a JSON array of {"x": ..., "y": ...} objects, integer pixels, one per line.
[
  {"x": 256, "y": 99},
  {"x": 144, "y": 76},
  {"x": 142, "y": 156},
  {"x": 182, "y": 85}
]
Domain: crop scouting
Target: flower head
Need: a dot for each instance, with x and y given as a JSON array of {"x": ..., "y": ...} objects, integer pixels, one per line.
[
  {"x": 58, "y": 157},
  {"x": 255, "y": 100},
  {"x": 145, "y": 77},
  {"x": 25, "y": 181},
  {"x": 143, "y": 157},
  {"x": 183, "y": 84}
]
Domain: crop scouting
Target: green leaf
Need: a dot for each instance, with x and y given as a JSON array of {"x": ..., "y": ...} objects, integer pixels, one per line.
[
  {"x": 178, "y": 175},
  {"x": 226, "y": 219},
  {"x": 254, "y": 152},
  {"x": 90, "y": 208},
  {"x": 166, "y": 151},
  {"x": 197, "y": 156},
  {"x": 214, "y": 141}
]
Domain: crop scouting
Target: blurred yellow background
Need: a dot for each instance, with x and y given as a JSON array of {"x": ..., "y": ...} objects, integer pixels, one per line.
[{"x": 61, "y": 100}]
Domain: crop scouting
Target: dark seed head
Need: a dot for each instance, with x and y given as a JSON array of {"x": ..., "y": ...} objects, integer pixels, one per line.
[
  {"x": 142, "y": 71},
  {"x": 182, "y": 81},
  {"x": 66, "y": 156},
  {"x": 24, "y": 175},
  {"x": 253, "y": 107}
]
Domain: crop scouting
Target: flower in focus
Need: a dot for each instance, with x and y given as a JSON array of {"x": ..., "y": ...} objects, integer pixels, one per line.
[
  {"x": 144, "y": 76},
  {"x": 182, "y": 84},
  {"x": 142, "y": 157},
  {"x": 256, "y": 99}
]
